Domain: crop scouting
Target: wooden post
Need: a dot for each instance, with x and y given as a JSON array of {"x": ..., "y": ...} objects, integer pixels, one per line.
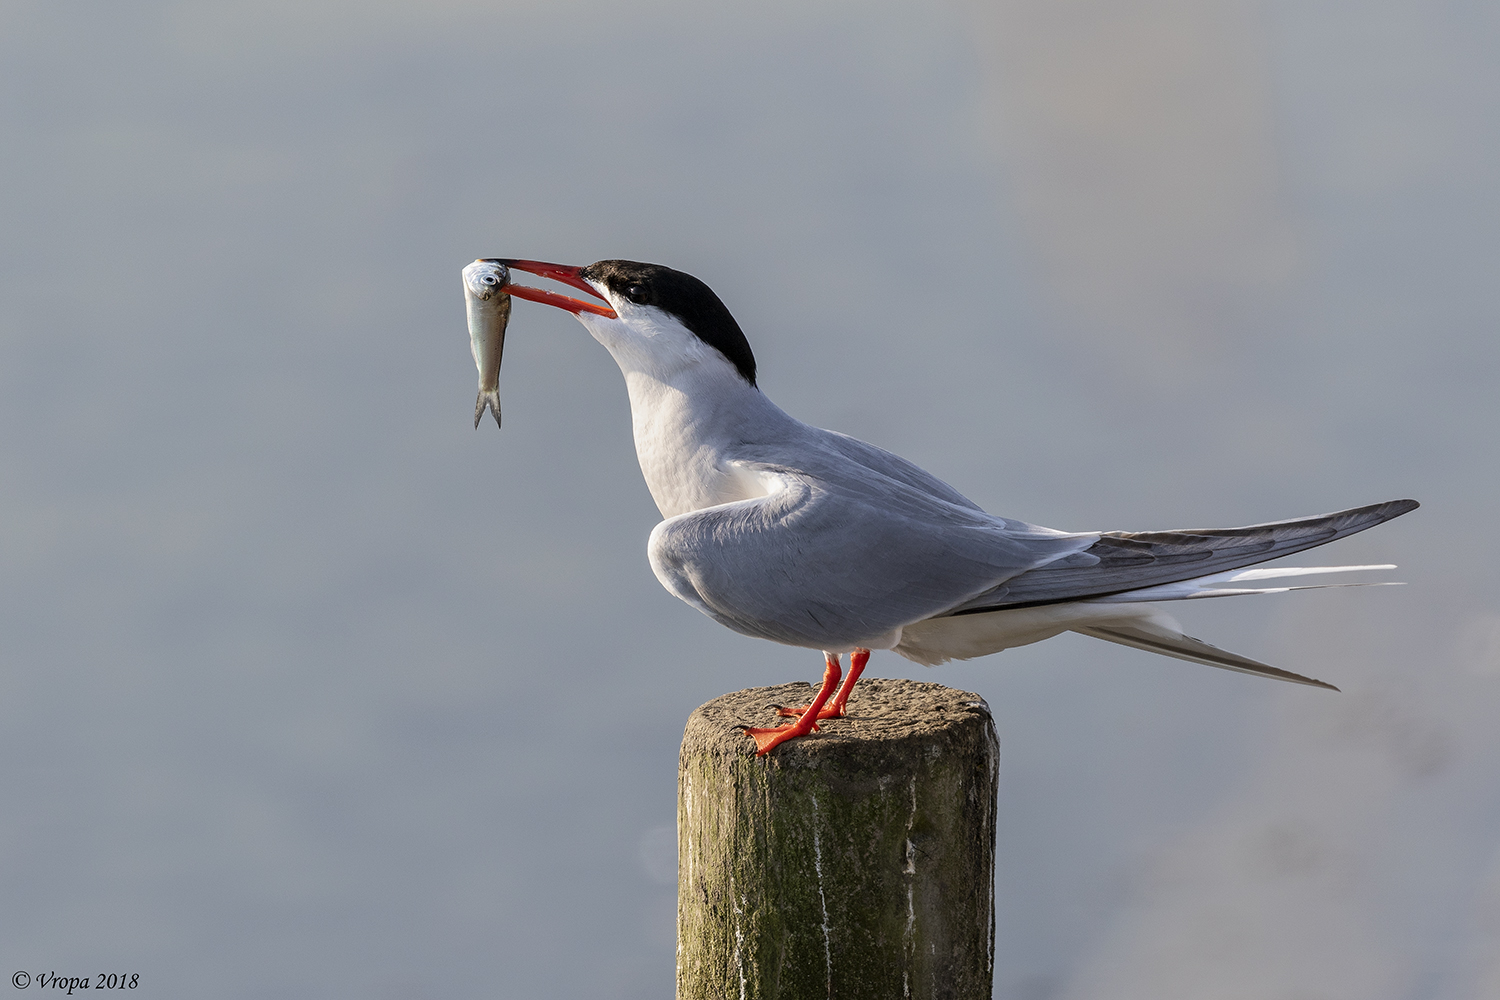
[{"x": 857, "y": 862}]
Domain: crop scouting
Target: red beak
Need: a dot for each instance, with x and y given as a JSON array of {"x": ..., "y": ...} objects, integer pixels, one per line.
[{"x": 557, "y": 272}]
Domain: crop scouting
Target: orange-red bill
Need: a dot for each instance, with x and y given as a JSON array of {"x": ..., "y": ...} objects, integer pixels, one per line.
[{"x": 564, "y": 273}]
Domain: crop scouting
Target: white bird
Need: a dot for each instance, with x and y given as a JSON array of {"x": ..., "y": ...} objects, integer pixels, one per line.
[{"x": 803, "y": 536}]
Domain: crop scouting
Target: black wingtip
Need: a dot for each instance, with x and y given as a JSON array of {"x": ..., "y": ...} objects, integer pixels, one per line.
[
  {"x": 1379, "y": 513},
  {"x": 1357, "y": 519}
]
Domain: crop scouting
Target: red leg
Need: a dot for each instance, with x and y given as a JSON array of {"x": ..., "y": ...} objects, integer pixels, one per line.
[
  {"x": 765, "y": 739},
  {"x": 857, "y": 661},
  {"x": 835, "y": 708}
]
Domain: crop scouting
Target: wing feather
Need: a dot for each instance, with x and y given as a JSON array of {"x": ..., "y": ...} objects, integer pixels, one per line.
[{"x": 1123, "y": 561}]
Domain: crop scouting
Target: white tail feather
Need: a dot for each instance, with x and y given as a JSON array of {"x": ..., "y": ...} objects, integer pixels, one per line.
[
  {"x": 1153, "y": 636},
  {"x": 1276, "y": 572},
  {"x": 1206, "y": 586}
]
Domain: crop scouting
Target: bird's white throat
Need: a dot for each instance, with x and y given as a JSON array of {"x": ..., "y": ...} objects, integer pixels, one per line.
[{"x": 690, "y": 409}]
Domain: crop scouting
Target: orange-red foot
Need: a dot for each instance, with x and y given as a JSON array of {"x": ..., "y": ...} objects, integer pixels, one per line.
[
  {"x": 766, "y": 739},
  {"x": 837, "y": 708}
]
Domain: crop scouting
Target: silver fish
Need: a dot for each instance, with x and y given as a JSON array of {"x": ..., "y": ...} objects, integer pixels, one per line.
[{"x": 489, "y": 311}]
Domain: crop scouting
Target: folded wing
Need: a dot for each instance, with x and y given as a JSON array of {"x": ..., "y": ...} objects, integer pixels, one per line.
[{"x": 819, "y": 565}]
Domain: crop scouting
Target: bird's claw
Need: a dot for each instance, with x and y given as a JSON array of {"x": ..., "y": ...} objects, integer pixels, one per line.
[{"x": 807, "y": 721}]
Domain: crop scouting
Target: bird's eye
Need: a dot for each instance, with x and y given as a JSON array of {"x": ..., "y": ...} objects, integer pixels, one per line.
[{"x": 636, "y": 293}]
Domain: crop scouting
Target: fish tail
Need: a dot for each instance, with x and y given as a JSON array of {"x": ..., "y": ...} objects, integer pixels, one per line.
[{"x": 490, "y": 399}]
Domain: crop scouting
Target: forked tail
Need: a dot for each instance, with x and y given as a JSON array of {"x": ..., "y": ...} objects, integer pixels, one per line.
[{"x": 491, "y": 399}]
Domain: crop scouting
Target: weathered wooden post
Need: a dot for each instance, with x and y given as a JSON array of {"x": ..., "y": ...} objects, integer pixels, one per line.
[{"x": 857, "y": 862}]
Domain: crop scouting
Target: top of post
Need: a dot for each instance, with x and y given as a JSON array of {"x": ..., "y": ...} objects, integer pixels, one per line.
[{"x": 885, "y": 716}]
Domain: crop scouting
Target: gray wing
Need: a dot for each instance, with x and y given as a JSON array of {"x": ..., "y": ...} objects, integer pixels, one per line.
[
  {"x": 816, "y": 565},
  {"x": 1122, "y": 561},
  {"x": 878, "y": 462}
]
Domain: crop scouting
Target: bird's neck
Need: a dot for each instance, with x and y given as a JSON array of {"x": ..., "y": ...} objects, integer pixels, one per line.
[{"x": 690, "y": 424}]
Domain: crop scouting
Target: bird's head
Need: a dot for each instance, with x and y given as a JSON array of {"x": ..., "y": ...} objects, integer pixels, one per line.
[{"x": 650, "y": 317}]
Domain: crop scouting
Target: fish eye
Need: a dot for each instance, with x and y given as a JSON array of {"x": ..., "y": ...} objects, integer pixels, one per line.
[{"x": 490, "y": 279}]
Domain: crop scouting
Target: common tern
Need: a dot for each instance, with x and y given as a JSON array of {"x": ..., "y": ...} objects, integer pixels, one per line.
[{"x": 808, "y": 537}]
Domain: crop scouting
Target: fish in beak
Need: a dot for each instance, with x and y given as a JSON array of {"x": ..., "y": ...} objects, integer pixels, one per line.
[
  {"x": 487, "y": 297},
  {"x": 487, "y": 293}
]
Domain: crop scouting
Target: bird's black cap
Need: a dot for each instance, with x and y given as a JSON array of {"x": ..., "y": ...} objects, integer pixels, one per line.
[{"x": 685, "y": 297}]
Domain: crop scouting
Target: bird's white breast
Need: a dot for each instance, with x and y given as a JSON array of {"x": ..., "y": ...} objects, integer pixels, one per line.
[{"x": 685, "y": 438}]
